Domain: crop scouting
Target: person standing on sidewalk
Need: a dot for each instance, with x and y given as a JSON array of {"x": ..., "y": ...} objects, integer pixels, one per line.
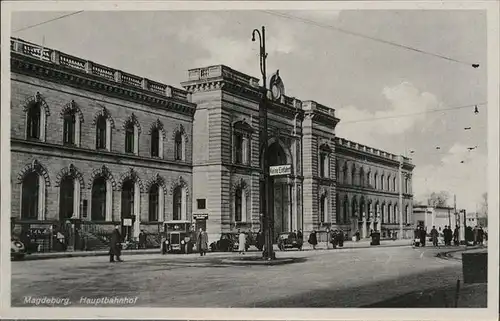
[
  {"x": 434, "y": 236},
  {"x": 242, "y": 239},
  {"x": 423, "y": 235},
  {"x": 202, "y": 242},
  {"x": 115, "y": 245},
  {"x": 313, "y": 240}
]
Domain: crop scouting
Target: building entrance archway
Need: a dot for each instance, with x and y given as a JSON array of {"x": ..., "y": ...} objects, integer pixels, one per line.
[{"x": 281, "y": 190}]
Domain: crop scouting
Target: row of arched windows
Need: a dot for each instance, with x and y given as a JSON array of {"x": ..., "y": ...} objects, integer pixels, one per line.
[
  {"x": 366, "y": 179},
  {"x": 386, "y": 213},
  {"x": 34, "y": 185},
  {"x": 104, "y": 124}
]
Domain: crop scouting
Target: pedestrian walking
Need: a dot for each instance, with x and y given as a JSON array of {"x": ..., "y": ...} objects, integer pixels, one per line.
[
  {"x": 313, "y": 240},
  {"x": 357, "y": 236},
  {"x": 115, "y": 245},
  {"x": 480, "y": 235},
  {"x": 202, "y": 242},
  {"x": 242, "y": 239},
  {"x": 456, "y": 234},
  {"x": 434, "y": 236},
  {"x": 142, "y": 240},
  {"x": 340, "y": 236},
  {"x": 300, "y": 236}
]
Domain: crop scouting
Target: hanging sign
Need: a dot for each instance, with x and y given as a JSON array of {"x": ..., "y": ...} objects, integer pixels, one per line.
[
  {"x": 280, "y": 170},
  {"x": 200, "y": 216},
  {"x": 127, "y": 222}
]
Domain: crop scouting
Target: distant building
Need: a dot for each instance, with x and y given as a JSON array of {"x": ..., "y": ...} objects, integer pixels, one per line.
[{"x": 429, "y": 216}]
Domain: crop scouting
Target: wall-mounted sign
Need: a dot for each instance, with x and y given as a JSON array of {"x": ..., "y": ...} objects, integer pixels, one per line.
[
  {"x": 200, "y": 216},
  {"x": 280, "y": 170},
  {"x": 127, "y": 222}
]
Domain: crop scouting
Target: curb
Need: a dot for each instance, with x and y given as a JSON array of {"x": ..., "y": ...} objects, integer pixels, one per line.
[
  {"x": 448, "y": 255},
  {"x": 63, "y": 255},
  {"x": 33, "y": 257}
]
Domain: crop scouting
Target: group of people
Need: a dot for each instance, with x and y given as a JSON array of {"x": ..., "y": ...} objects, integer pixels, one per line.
[{"x": 474, "y": 236}]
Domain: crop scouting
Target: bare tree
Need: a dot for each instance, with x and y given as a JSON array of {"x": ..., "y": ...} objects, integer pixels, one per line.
[{"x": 439, "y": 199}]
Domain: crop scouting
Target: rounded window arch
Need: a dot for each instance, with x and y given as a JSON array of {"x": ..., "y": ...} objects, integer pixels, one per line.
[
  {"x": 101, "y": 132},
  {"x": 30, "y": 196},
  {"x": 34, "y": 121},
  {"x": 130, "y": 138},
  {"x": 177, "y": 202},
  {"x": 98, "y": 199},
  {"x": 154, "y": 202},
  {"x": 66, "y": 198},
  {"x": 179, "y": 146}
]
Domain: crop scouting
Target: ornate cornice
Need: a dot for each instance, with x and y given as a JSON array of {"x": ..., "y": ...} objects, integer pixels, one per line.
[{"x": 41, "y": 69}]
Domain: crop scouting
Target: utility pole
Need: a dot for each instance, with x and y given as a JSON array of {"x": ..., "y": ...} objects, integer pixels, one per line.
[
  {"x": 267, "y": 217},
  {"x": 401, "y": 159}
]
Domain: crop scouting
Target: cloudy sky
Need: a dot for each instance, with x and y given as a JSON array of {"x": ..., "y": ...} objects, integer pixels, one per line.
[{"x": 370, "y": 84}]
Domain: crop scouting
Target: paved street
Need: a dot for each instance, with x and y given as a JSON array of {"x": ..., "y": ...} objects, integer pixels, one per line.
[{"x": 325, "y": 278}]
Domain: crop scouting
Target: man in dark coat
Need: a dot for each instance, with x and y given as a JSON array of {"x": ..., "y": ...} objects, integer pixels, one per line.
[
  {"x": 313, "y": 240},
  {"x": 142, "y": 240},
  {"x": 480, "y": 235},
  {"x": 456, "y": 234},
  {"x": 434, "y": 236},
  {"x": 202, "y": 242},
  {"x": 115, "y": 245},
  {"x": 340, "y": 236},
  {"x": 423, "y": 235}
]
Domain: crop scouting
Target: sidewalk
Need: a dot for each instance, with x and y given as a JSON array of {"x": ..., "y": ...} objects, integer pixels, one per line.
[
  {"x": 469, "y": 296},
  {"x": 307, "y": 247}
]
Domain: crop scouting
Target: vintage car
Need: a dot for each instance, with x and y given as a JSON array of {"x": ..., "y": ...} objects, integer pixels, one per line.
[
  {"x": 287, "y": 240},
  {"x": 228, "y": 242},
  {"x": 17, "y": 249},
  {"x": 178, "y": 236}
]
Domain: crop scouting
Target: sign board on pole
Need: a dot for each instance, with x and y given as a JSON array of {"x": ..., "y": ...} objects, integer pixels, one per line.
[
  {"x": 280, "y": 170},
  {"x": 127, "y": 222}
]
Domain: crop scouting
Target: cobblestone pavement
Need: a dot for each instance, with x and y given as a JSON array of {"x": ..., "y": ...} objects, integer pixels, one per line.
[{"x": 325, "y": 278}]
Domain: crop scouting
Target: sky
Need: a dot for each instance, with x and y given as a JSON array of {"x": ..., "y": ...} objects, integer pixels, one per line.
[{"x": 369, "y": 84}]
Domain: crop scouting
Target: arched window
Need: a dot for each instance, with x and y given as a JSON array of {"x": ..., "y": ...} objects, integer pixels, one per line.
[
  {"x": 407, "y": 215},
  {"x": 361, "y": 177},
  {"x": 394, "y": 184},
  {"x": 354, "y": 208},
  {"x": 128, "y": 190},
  {"x": 30, "y": 195},
  {"x": 101, "y": 133},
  {"x": 69, "y": 128},
  {"x": 407, "y": 185},
  {"x": 389, "y": 213},
  {"x": 324, "y": 161},
  {"x": 66, "y": 198},
  {"x": 396, "y": 214},
  {"x": 155, "y": 142},
  {"x": 154, "y": 203},
  {"x": 389, "y": 183},
  {"x": 382, "y": 182},
  {"x": 34, "y": 121},
  {"x": 99, "y": 192},
  {"x": 238, "y": 148},
  {"x": 345, "y": 218},
  {"x": 178, "y": 147},
  {"x": 322, "y": 209},
  {"x": 345, "y": 176},
  {"x": 177, "y": 202},
  {"x": 369, "y": 179},
  {"x": 383, "y": 213},
  {"x": 338, "y": 213},
  {"x": 129, "y": 138},
  {"x": 353, "y": 175},
  {"x": 238, "y": 206},
  {"x": 375, "y": 180}
]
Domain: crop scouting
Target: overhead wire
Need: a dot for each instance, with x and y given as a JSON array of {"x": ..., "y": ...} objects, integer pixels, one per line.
[
  {"x": 47, "y": 21},
  {"x": 357, "y": 34}
]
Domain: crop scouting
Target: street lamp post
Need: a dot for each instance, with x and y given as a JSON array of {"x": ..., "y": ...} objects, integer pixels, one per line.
[{"x": 268, "y": 250}]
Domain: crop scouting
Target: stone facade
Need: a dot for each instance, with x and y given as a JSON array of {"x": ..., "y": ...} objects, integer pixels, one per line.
[{"x": 210, "y": 147}]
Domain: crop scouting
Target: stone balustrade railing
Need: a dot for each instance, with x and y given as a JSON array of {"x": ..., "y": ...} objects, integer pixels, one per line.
[
  {"x": 370, "y": 150},
  {"x": 59, "y": 58}
]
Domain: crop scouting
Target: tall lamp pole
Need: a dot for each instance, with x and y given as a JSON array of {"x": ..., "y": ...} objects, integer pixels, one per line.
[{"x": 268, "y": 250}]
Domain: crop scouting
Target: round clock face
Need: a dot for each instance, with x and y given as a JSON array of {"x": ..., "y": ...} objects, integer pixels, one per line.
[{"x": 276, "y": 92}]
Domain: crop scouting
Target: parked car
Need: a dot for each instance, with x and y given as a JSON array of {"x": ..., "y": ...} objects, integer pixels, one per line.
[
  {"x": 228, "y": 242},
  {"x": 287, "y": 240},
  {"x": 17, "y": 249}
]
